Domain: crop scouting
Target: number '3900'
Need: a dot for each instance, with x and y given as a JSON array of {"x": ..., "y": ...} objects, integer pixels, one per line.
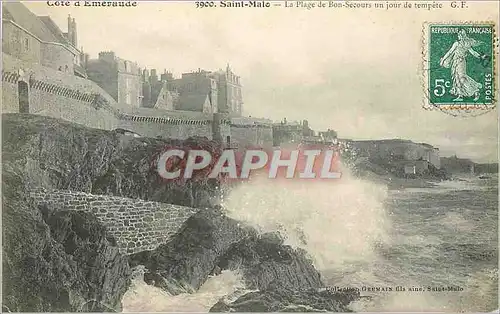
[{"x": 205, "y": 4}]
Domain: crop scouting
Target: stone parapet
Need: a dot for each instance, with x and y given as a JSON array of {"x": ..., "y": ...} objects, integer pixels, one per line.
[{"x": 136, "y": 224}]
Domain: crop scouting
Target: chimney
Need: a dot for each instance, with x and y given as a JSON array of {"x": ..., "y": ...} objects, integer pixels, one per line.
[
  {"x": 70, "y": 29},
  {"x": 74, "y": 39},
  {"x": 154, "y": 76}
]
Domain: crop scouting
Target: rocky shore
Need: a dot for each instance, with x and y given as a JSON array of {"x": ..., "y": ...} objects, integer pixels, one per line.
[
  {"x": 66, "y": 260},
  {"x": 378, "y": 173}
]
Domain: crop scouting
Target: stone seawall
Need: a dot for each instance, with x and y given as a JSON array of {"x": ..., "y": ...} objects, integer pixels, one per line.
[{"x": 137, "y": 225}]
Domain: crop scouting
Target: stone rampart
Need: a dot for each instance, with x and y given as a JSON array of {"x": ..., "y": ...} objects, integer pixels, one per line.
[
  {"x": 152, "y": 122},
  {"x": 65, "y": 96},
  {"x": 56, "y": 94},
  {"x": 137, "y": 225},
  {"x": 49, "y": 75},
  {"x": 10, "y": 96},
  {"x": 166, "y": 128},
  {"x": 246, "y": 135},
  {"x": 62, "y": 95}
]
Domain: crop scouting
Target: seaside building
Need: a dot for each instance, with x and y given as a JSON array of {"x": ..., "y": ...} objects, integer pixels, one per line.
[
  {"x": 37, "y": 39},
  {"x": 110, "y": 92},
  {"x": 229, "y": 92},
  {"x": 293, "y": 132},
  {"x": 160, "y": 92},
  {"x": 120, "y": 78},
  {"x": 198, "y": 91}
]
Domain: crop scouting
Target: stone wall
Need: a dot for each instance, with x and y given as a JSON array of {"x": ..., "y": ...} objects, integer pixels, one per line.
[
  {"x": 62, "y": 95},
  {"x": 24, "y": 45},
  {"x": 166, "y": 127},
  {"x": 57, "y": 56},
  {"x": 243, "y": 136},
  {"x": 10, "y": 96},
  {"x": 13, "y": 42},
  {"x": 137, "y": 225},
  {"x": 152, "y": 122},
  {"x": 57, "y": 94},
  {"x": 248, "y": 132}
]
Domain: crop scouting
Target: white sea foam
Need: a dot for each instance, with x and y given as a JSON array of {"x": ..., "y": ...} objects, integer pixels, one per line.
[
  {"x": 462, "y": 184},
  {"x": 341, "y": 224},
  {"x": 141, "y": 297},
  {"x": 336, "y": 221},
  {"x": 457, "y": 222}
]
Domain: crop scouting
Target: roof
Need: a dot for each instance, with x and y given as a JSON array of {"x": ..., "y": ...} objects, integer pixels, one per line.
[
  {"x": 193, "y": 102},
  {"x": 55, "y": 30},
  {"x": 21, "y": 15}
]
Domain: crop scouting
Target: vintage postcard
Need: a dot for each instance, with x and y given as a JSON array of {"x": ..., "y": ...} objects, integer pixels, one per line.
[{"x": 250, "y": 156}]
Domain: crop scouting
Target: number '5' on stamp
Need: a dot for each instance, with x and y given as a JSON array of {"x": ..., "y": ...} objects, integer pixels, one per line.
[{"x": 459, "y": 65}]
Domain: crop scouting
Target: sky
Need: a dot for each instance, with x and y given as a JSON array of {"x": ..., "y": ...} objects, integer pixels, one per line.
[{"x": 357, "y": 71}]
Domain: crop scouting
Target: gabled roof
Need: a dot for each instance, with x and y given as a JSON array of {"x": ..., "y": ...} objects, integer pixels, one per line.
[
  {"x": 194, "y": 102},
  {"x": 55, "y": 30},
  {"x": 21, "y": 15}
]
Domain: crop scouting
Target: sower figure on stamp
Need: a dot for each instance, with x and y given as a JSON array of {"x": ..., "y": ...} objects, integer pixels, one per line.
[{"x": 455, "y": 58}]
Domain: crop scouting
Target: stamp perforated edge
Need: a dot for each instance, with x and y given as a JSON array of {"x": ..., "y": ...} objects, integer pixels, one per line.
[{"x": 455, "y": 110}]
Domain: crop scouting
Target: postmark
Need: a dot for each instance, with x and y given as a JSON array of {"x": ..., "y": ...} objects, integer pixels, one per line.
[{"x": 458, "y": 68}]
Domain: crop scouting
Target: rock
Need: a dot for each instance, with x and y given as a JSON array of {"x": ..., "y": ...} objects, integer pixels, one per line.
[
  {"x": 57, "y": 154},
  {"x": 266, "y": 262},
  {"x": 186, "y": 261},
  {"x": 287, "y": 300},
  {"x": 65, "y": 261},
  {"x": 57, "y": 261},
  {"x": 211, "y": 242},
  {"x": 272, "y": 238}
]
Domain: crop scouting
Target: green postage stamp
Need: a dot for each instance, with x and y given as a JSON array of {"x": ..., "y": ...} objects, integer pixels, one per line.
[{"x": 459, "y": 65}]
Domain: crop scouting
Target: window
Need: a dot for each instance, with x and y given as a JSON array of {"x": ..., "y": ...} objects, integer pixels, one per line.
[
  {"x": 26, "y": 44},
  {"x": 126, "y": 70}
]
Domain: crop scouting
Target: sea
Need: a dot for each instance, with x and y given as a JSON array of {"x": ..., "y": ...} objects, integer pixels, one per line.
[{"x": 414, "y": 249}]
